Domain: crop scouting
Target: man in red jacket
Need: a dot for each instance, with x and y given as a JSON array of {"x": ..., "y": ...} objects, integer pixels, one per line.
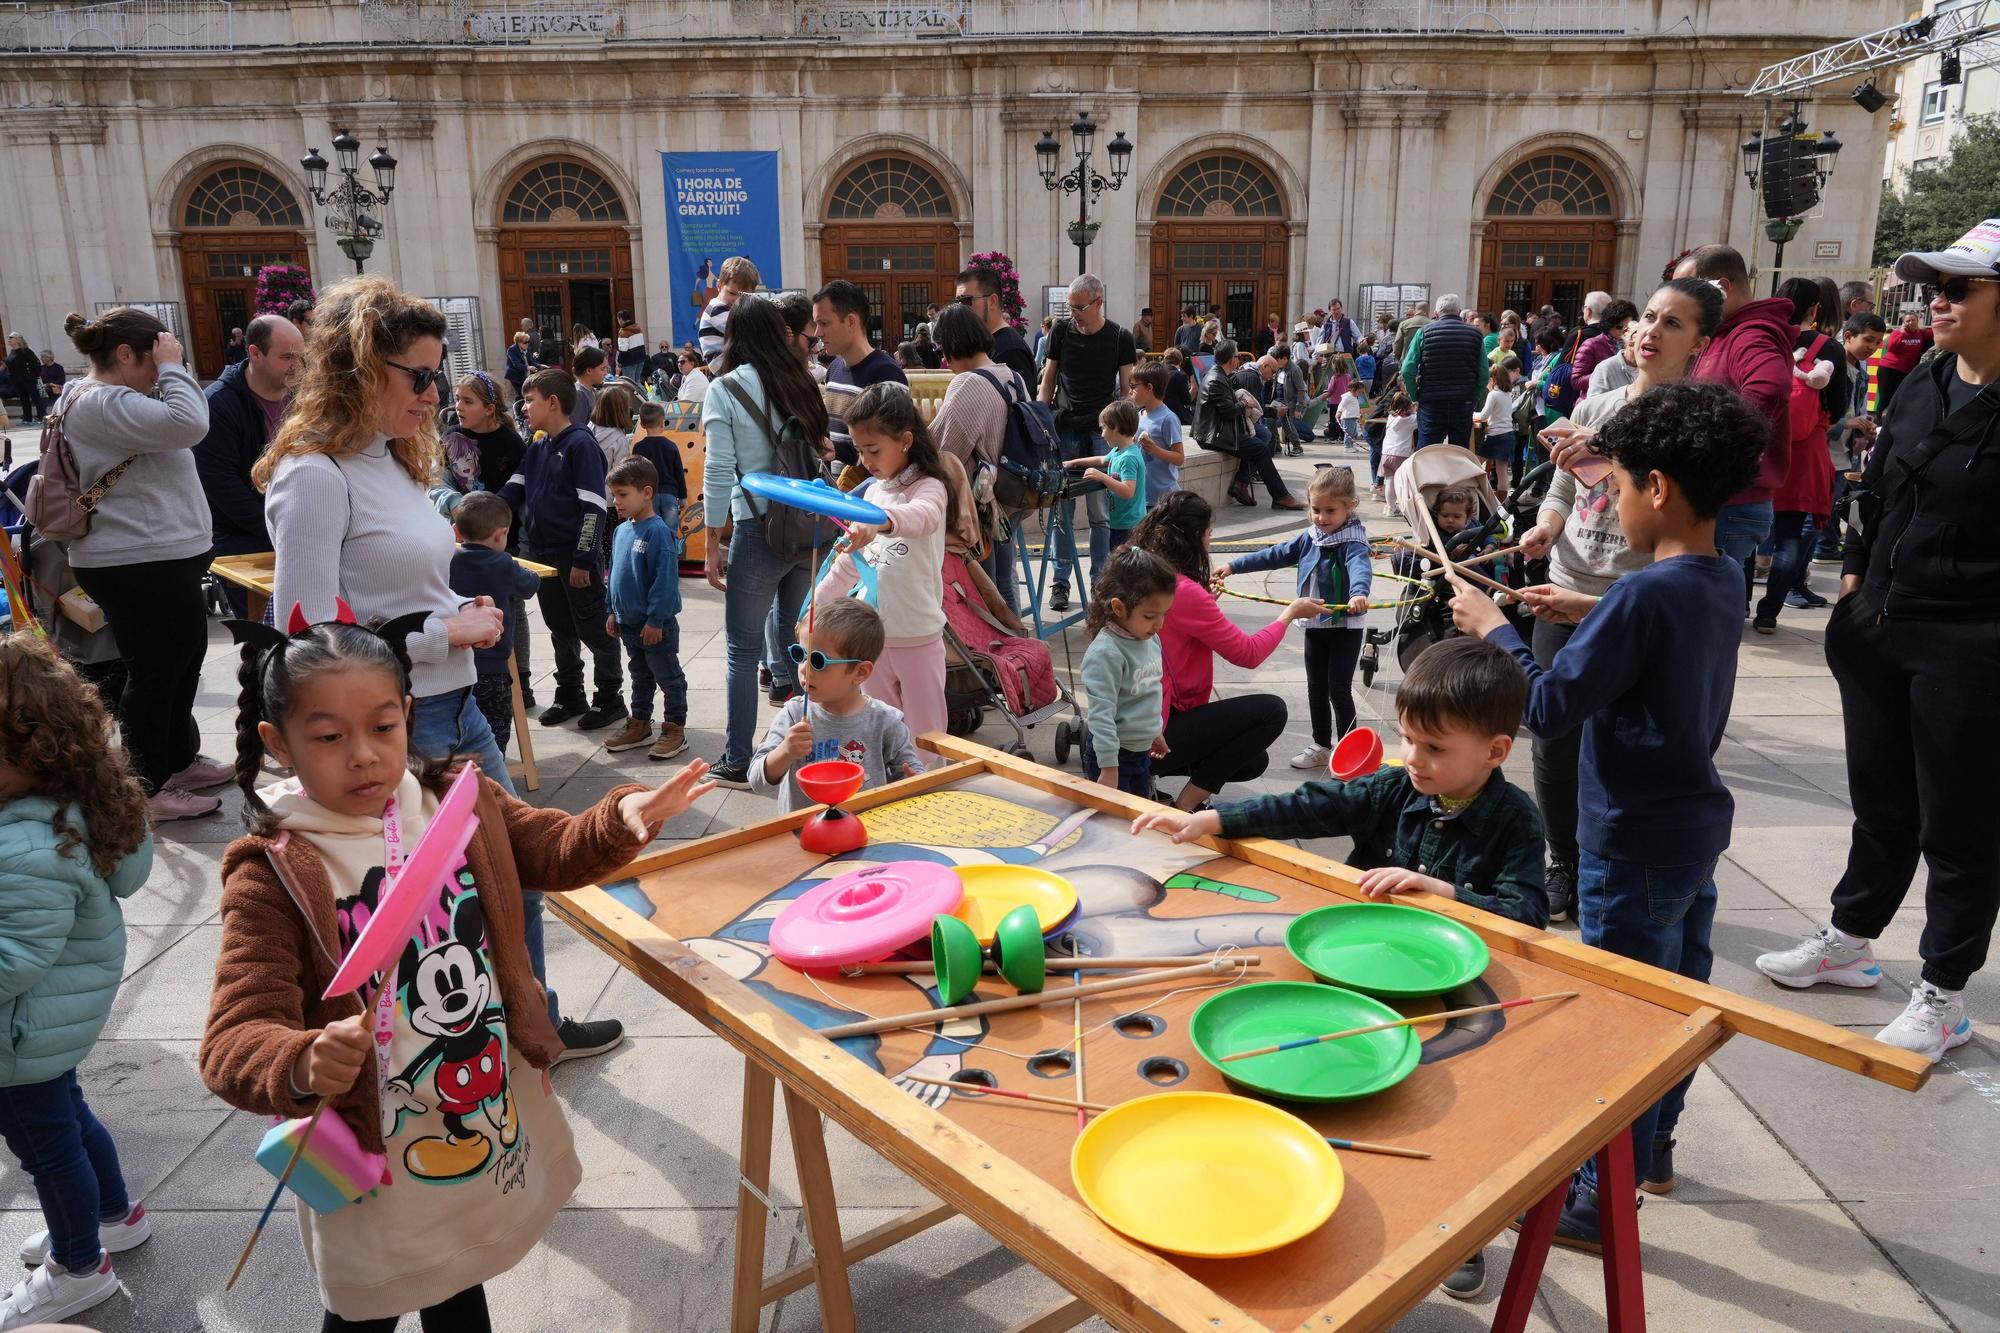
[
  {"x": 1752, "y": 354},
  {"x": 1900, "y": 353}
]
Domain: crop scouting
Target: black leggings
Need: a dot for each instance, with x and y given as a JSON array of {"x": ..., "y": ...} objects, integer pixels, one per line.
[
  {"x": 1224, "y": 741},
  {"x": 1330, "y": 657},
  {"x": 463, "y": 1313},
  {"x": 159, "y": 619}
]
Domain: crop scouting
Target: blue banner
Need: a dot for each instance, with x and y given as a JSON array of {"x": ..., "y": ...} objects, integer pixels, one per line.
[{"x": 718, "y": 205}]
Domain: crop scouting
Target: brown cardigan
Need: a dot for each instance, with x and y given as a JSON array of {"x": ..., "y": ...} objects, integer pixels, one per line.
[{"x": 281, "y": 945}]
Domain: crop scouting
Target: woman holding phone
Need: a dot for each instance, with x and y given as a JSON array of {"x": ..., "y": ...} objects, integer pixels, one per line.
[{"x": 1578, "y": 530}]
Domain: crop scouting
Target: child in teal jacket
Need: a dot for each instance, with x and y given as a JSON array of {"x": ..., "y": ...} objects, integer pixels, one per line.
[{"x": 73, "y": 841}]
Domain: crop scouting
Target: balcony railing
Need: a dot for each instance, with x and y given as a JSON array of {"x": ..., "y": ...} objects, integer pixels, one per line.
[{"x": 211, "y": 25}]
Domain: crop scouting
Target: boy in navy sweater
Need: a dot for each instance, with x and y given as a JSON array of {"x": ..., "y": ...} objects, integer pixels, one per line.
[
  {"x": 645, "y": 610},
  {"x": 560, "y": 493},
  {"x": 481, "y": 567},
  {"x": 1649, "y": 677}
]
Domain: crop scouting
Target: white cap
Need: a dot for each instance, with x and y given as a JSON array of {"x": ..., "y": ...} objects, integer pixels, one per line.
[{"x": 1975, "y": 254}]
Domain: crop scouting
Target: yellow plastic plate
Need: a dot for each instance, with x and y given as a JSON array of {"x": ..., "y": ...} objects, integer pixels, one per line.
[
  {"x": 993, "y": 891},
  {"x": 1206, "y": 1174}
]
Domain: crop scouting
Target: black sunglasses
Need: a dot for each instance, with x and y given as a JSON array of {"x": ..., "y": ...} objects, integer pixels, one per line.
[
  {"x": 421, "y": 380},
  {"x": 1953, "y": 289},
  {"x": 816, "y": 659}
]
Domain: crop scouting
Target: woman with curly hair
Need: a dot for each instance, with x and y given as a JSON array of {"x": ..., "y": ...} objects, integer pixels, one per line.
[{"x": 73, "y": 841}]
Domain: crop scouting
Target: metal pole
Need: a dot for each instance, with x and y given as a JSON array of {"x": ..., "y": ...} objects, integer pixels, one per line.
[
  {"x": 1777, "y": 266},
  {"x": 1756, "y": 205},
  {"x": 1082, "y": 215}
]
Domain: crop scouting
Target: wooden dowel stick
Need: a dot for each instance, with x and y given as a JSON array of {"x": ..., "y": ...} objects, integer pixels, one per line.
[
  {"x": 1490, "y": 555},
  {"x": 1462, "y": 572},
  {"x": 1080, "y": 1092},
  {"x": 911, "y": 966},
  {"x": 1398, "y": 1023},
  {"x": 1001, "y": 1006},
  {"x": 1437, "y": 538},
  {"x": 1386, "y": 1149},
  {"x": 981, "y": 1088},
  {"x": 257, "y": 1232}
]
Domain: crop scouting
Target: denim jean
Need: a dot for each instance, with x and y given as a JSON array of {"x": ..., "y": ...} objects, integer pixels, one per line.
[
  {"x": 451, "y": 724},
  {"x": 1661, "y": 915},
  {"x": 1791, "y": 553},
  {"x": 1739, "y": 531},
  {"x": 755, "y": 579},
  {"x": 1441, "y": 423},
  {"x": 1828, "y": 543},
  {"x": 1135, "y": 767},
  {"x": 1003, "y": 561},
  {"x": 658, "y": 663},
  {"x": 50, "y": 1130},
  {"x": 1376, "y": 432},
  {"x": 1078, "y": 442}
]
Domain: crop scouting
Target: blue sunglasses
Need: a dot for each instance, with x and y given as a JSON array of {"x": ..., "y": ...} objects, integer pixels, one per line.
[{"x": 818, "y": 660}]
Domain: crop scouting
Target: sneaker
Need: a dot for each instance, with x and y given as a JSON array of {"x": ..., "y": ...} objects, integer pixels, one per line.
[
  {"x": 1804, "y": 601},
  {"x": 1469, "y": 1280},
  {"x": 561, "y": 711},
  {"x": 1821, "y": 957},
  {"x": 600, "y": 717},
  {"x": 1578, "y": 1228},
  {"x": 673, "y": 739},
  {"x": 527, "y": 698},
  {"x": 635, "y": 733},
  {"x": 168, "y": 803},
  {"x": 780, "y": 695},
  {"x": 1561, "y": 885},
  {"x": 1058, "y": 596},
  {"x": 736, "y": 777},
  {"x": 763, "y": 677},
  {"x": 51, "y": 1293},
  {"x": 1313, "y": 756},
  {"x": 1932, "y": 1024},
  {"x": 1833, "y": 557},
  {"x": 1764, "y": 625},
  {"x": 202, "y": 774},
  {"x": 128, "y": 1232},
  {"x": 583, "y": 1040},
  {"x": 1660, "y": 1175}
]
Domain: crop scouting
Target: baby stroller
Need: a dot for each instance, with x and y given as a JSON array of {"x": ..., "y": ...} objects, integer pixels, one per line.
[
  {"x": 991, "y": 661},
  {"x": 1422, "y": 477}
]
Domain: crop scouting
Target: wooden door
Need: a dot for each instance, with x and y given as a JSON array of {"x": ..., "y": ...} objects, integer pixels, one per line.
[
  {"x": 559, "y": 277},
  {"x": 902, "y": 266},
  {"x": 1236, "y": 265},
  {"x": 219, "y": 271},
  {"x": 1524, "y": 265}
]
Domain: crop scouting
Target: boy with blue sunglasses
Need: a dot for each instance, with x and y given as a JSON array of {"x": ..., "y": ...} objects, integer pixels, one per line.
[{"x": 830, "y": 717}]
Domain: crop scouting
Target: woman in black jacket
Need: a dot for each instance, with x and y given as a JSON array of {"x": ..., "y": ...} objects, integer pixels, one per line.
[
  {"x": 25, "y": 369},
  {"x": 1913, "y": 647}
]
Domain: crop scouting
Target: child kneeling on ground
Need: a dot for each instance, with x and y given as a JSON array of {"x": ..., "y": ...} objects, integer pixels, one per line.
[
  {"x": 1648, "y": 676},
  {"x": 831, "y": 717},
  {"x": 1447, "y": 822}
]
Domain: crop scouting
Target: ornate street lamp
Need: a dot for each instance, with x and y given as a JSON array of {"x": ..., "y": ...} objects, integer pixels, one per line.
[
  {"x": 349, "y": 202},
  {"x": 1789, "y": 199},
  {"x": 1082, "y": 180}
]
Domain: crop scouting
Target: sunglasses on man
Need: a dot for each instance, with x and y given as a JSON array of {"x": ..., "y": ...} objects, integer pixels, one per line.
[
  {"x": 421, "y": 380},
  {"x": 818, "y": 660},
  {"x": 1953, "y": 289}
]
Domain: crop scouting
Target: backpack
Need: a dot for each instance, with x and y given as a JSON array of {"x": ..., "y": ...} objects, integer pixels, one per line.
[
  {"x": 58, "y": 504},
  {"x": 791, "y": 534},
  {"x": 1030, "y": 472}
]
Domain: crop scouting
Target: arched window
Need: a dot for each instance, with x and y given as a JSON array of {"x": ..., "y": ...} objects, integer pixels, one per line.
[
  {"x": 564, "y": 193},
  {"x": 1221, "y": 185},
  {"x": 888, "y": 189},
  {"x": 1551, "y": 185},
  {"x": 241, "y": 196}
]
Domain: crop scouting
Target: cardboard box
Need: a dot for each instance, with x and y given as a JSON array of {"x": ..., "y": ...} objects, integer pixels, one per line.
[{"x": 76, "y": 605}]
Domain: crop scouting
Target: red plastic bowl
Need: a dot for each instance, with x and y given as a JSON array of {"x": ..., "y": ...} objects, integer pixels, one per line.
[
  {"x": 831, "y": 781},
  {"x": 1358, "y": 753}
]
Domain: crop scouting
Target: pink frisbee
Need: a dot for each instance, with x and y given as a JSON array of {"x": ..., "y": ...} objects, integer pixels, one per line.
[
  {"x": 865, "y": 915},
  {"x": 415, "y": 886},
  {"x": 1358, "y": 753}
]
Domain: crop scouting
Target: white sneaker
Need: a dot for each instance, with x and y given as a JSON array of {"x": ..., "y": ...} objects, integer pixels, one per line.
[
  {"x": 1313, "y": 756},
  {"x": 1932, "y": 1023},
  {"x": 1821, "y": 958},
  {"x": 51, "y": 1293},
  {"x": 129, "y": 1232}
]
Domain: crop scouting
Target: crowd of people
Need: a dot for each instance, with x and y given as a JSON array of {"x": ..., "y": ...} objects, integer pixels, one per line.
[{"x": 1685, "y": 429}]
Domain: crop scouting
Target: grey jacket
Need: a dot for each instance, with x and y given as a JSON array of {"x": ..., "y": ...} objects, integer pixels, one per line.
[{"x": 156, "y": 510}]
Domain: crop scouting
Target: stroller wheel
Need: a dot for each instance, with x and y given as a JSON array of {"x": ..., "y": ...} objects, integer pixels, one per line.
[
  {"x": 1020, "y": 751},
  {"x": 1068, "y": 735},
  {"x": 1369, "y": 658}
]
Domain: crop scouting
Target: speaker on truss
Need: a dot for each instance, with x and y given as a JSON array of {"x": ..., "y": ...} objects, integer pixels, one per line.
[{"x": 1789, "y": 176}]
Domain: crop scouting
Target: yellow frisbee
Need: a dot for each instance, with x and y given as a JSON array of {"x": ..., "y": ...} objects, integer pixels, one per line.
[
  {"x": 993, "y": 891},
  {"x": 1206, "y": 1174}
]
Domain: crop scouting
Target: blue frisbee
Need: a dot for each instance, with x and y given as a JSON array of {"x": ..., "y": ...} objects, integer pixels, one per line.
[{"x": 814, "y": 497}]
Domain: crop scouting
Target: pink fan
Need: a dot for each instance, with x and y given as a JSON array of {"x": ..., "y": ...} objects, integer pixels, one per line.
[{"x": 413, "y": 888}]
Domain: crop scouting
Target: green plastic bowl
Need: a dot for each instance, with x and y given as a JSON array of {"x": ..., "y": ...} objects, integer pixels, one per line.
[
  {"x": 1399, "y": 953},
  {"x": 1019, "y": 950},
  {"x": 1266, "y": 1013},
  {"x": 957, "y": 958}
]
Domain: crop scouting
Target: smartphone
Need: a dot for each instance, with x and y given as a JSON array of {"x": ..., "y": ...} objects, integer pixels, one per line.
[{"x": 1590, "y": 471}]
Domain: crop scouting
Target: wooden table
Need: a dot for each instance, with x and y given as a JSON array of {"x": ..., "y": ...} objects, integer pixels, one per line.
[
  {"x": 1509, "y": 1106},
  {"x": 256, "y": 574}
]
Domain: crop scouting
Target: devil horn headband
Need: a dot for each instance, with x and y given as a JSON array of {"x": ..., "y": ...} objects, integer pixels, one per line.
[{"x": 255, "y": 634}]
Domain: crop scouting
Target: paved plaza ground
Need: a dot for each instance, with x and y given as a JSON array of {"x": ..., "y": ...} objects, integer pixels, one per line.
[{"x": 1809, "y": 1199}]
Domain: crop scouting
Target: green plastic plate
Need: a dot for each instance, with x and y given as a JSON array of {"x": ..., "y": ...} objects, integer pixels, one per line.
[
  {"x": 1400, "y": 953},
  {"x": 1245, "y": 1018}
]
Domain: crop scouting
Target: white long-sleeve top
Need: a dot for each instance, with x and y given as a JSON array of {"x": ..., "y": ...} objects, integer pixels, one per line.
[
  {"x": 906, "y": 561},
  {"x": 1498, "y": 414}
]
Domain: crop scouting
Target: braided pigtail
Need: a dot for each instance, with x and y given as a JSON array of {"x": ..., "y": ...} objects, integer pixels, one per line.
[{"x": 249, "y": 743}]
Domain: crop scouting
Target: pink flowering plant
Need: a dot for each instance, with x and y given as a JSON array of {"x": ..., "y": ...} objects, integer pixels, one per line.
[
  {"x": 1000, "y": 266},
  {"x": 278, "y": 285}
]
